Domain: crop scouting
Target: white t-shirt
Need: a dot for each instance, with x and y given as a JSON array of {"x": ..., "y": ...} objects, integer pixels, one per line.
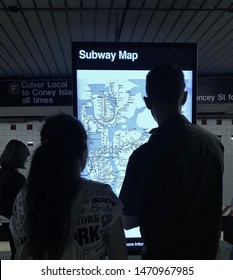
[{"x": 100, "y": 211}]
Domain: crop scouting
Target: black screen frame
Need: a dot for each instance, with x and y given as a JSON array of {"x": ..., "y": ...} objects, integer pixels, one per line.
[{"x": 184, "y": 54}]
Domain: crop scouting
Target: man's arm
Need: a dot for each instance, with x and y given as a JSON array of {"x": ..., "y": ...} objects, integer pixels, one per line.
[
  {"x": 130, "y": 221},
  {"x": 116, "y": 250},
  {"x": 132, "y": 192}
]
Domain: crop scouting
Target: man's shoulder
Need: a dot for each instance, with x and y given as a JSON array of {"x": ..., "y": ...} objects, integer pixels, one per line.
[
  {"x": 142, "y": 150},
  {"x": 205, "y": 134},
  {"x": 197, "y": 137},
  {"x": 194, "y": 129}
]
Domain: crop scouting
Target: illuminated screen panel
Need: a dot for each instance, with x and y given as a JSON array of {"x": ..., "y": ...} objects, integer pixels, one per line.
[
  {"x": 112, "y": 109},
  {"x": 109, "y": 86}
]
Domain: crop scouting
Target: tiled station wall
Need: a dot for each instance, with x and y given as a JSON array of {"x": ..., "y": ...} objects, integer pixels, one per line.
[
  {"x": 223, "y": 128},
  {"x": 29, "y": 133}
]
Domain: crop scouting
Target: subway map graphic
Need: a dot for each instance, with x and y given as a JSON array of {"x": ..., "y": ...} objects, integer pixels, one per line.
[{"x": 111, "y": 107}]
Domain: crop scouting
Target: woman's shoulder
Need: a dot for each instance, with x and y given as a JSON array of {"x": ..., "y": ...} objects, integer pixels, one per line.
[
  {"x": 10, "y": 172},
  {"x": 99, "y": 189},
  {"x": 94, "y": 184},
  {"x": 102, "y": 197}
]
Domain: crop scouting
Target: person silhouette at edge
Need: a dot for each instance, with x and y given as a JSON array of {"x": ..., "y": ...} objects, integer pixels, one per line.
[
  {"x": 172, "y": 188},
  {"x": 13, "y": 157}
]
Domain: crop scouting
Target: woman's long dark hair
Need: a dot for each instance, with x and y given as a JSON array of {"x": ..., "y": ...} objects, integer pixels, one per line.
[{"x": 52, "y": 182}]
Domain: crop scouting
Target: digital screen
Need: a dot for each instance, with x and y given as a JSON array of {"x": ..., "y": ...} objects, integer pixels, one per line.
[{"x": 109, "y": 86}]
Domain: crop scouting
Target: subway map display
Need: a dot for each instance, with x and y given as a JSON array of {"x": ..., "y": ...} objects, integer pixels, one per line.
[
  {"x": 108, "y": 90},
  {"x": 112, "y": 109}
]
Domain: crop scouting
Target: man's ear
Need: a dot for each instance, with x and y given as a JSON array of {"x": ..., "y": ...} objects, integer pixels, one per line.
[
  {"x": 147, "y": 102},
  {"x": 184, "y": 98}
]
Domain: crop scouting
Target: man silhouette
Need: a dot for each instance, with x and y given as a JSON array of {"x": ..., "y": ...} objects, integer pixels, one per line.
[{"x": 173, "y": 183}]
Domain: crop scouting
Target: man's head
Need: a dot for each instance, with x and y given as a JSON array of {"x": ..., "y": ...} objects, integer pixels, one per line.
[{"x": 165, "y": 89}]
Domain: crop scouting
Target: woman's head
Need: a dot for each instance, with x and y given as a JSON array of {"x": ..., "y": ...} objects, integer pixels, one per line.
[
  {"x": 14, "y": 154},
  {"x": 66, "y": 134}
]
